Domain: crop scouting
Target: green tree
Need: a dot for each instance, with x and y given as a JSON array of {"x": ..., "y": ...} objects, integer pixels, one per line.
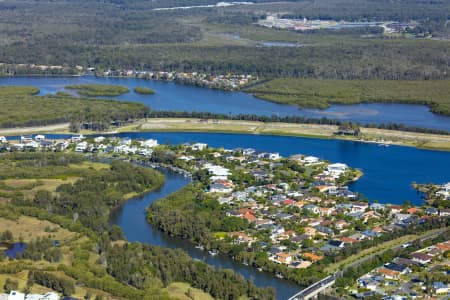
[{"x": 10, "y": 285}]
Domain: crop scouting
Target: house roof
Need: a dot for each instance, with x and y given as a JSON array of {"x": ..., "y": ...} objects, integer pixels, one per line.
[
  {"x": 388, "y": 272},
  {"x": 311, "y": 256},
  {"x": 421, "y": 256}
]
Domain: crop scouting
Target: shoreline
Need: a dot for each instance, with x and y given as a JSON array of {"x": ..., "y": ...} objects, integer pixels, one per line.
[{"x": 383, "y": 137}]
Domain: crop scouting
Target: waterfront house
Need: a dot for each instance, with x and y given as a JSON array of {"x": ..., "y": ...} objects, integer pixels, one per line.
[
  {"x": 81, "y": 147},
  {"x": 150, "y": 143},
  {"x": 337, "y": 169},
  {"x": 39, "y": 137},
  {"x": 77, "y": 138},
  {"x": 2, "y": 139},
  {"x": 199, "y": 146},
  {"x": 283, "y": 258}
]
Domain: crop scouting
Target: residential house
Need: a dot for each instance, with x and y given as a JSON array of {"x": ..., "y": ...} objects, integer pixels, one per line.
[
  {"x": 199, "y": 146},
  {"x": 312, "y": 257},
  {"x": 14, "y": 295},
  {"x": 39, "y": 138},
  {"x": 421, "y": 258},
  {"x": 219, "y": 188},
  {"x": 337, "y": 169},
  {"x": 81, "y": 147},
  {"x": 440, "y": 288},
  {"x": 283, "y": 258},
  {"x": 388, "y": 274},
  {"x": 150, "y": 143}
]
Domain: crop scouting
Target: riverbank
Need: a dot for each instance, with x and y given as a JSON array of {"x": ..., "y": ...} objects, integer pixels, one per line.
[{"x": 369, "y": 135}]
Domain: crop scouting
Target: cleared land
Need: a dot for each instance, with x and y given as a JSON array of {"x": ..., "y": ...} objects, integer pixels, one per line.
[
  {"x": 421, "y": 140},
  {"x": 322, "y": 93}
]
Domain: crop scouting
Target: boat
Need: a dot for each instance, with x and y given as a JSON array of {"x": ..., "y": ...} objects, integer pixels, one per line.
[
  {"x": 200, "y": 247},
  {"x": 279, "y": 275},
  {"x": 213, "y": 252},
  {"x": 260, "y": 269}
]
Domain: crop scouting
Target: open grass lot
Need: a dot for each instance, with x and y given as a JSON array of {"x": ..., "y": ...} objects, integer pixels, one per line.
[
  {"x": 422, "y": 140},
  {"x": 322, "y": 93},
  {"x": 20, "y": 107},
  {"x": 29, "y": 187},
  {"x": 30, "y": 228}
]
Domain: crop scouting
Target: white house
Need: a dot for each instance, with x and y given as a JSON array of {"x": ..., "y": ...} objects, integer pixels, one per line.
[
  {"x": 14, "y": 295},
  {"x": 99, "y": 139},
  {"x": 216, "y": 170},
  {"x": 150, "y": 143},
  {"x": 337, "y": 169},
  {"x": 199, "y": 146},
  {"x": 220, "y": 188},
  {"x": 47, "y": 296},
  {"x": 2, "y": 139},
  {"x": 440, "y": 288},
  {"x": 310, "y": 160},
  {"x": 77, "y": 138},
  {"x": 26, "y": 139},
  {"x": 81, "y": 147},
  {"x": 39, "y": 137}
]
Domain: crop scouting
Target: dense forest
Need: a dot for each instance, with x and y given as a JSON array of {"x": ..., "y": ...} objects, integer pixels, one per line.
[
  {"x": 88, "y": 199},
  {"x": 128, "y": 33},
  {"x": 21, "y": 107},
  {"x": 322, "y": 93},
  {"x": 81, "y": 204}
]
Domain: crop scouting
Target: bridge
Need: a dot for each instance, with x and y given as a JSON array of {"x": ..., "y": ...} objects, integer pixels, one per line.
[{"x": 314, "y": 289}]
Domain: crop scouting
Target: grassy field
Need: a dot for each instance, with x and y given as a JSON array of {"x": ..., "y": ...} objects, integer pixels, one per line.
[
  {"x": 422, "y": 140},
  {"x": 144, "y": 90},
  {"x": 31, "y": 228},
  {"x": 94, "y": 90},
  {"x": 322, "y": 93},
  {"x": 20, "y": 107}
]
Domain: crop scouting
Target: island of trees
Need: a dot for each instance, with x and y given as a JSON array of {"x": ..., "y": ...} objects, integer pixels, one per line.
[{"x": 144, "y": 90}]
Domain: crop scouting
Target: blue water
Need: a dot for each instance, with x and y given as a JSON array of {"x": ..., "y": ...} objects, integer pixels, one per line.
[
  {"x": 388, "y": 172},
  {"x": 13, "y": 250},
  {"x": 171, "y": 96}
]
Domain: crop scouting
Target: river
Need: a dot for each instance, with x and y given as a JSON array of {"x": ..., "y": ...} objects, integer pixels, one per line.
[
  {"x": 172, "y": 96},
  {"x": 131, "y": 218},
  {"x": 388, "y": 174}
]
